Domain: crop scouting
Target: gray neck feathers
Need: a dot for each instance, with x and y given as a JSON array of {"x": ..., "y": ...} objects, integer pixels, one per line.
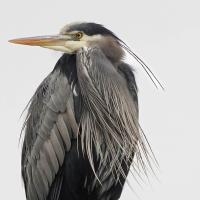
[
  {"x": 110, "y": 118},
  {"x": 110, "y": 48}
]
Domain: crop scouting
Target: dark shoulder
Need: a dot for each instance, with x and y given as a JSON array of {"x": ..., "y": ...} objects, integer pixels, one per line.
[{"x": 67, "y": 66}]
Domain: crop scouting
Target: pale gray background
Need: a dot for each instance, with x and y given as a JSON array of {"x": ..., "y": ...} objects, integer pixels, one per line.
[{"x": 164, "y": 33}]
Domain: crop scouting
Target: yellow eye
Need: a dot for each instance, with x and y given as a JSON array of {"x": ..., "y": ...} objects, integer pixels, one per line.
[{"x": 79, "y": 35}]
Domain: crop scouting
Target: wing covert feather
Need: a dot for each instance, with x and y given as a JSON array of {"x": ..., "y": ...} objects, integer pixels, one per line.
[{"x": 49, "y": 126}]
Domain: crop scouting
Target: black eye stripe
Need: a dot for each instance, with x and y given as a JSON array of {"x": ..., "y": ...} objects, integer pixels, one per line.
[{"x": 92, "y": 29}]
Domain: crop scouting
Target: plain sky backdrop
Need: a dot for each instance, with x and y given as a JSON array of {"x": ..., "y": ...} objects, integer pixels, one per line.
[{"x": 164, "y": 33}]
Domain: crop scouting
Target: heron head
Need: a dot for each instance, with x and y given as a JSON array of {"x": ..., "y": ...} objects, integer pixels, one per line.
[{"x": 76, "y": 36}]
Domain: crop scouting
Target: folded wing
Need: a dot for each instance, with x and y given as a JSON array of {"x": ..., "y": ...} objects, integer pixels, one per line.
[{"x": 49, "y": 128}]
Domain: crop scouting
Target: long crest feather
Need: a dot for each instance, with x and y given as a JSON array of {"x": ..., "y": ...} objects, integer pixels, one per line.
[{"x": 149, "y": 72}]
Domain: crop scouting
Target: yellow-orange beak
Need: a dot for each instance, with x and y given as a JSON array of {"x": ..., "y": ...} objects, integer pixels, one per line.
[
  {"x": 55, "y": 42},
  {"x": 47, "y": 40}
]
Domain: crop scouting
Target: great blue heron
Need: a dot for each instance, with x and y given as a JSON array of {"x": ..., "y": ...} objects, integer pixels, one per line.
[{"x": 82, "y": 130}]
